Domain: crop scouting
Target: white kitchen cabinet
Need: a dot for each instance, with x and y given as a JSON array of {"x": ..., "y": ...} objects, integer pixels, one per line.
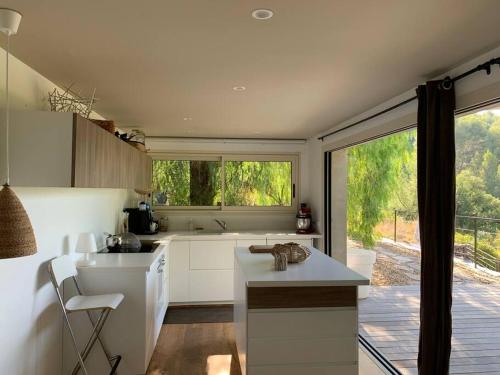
[
  {"x": 307, "y": 242},
  {"x": 202, "y": 269},
  {"x": 212, "y": 255},
  {"x": 211, "y": 285},
  {"x": 179, "y": 271}
]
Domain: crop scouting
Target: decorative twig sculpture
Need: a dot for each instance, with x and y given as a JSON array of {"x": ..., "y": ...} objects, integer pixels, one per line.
[{"x": 68, "y": 101}]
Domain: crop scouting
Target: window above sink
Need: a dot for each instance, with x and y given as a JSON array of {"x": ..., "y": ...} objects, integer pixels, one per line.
[{"x": 225, "y": 182}]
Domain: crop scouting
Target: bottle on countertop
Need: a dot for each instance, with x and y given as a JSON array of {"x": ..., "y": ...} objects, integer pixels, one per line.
[{"x": 163, "y": 224}]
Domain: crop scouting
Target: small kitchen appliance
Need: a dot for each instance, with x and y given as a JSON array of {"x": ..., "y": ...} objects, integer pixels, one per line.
[
  {"x": 140, "y": 220},
  {"x": 303, "y": 217}
]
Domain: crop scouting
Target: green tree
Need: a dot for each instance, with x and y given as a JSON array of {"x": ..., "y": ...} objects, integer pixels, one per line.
[
  {"x": 472, "y": 198},
  {"x": 373, "y": 172},
  {"x": 404, "y": 199},
  {"x": 171, "y": 182},
  {"x": 258, "y": 183},
  {"x": 472, "y": 138},
  {"x": 186, "y": 182},
  {"x": 204, "y": 183},
  {"x": 489, "y": 174}
]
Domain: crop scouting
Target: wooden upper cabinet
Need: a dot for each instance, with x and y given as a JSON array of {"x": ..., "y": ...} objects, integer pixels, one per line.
[{"x": 66, "y": 150}]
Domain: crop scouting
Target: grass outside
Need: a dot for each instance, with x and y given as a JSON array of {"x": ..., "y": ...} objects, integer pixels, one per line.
[{"x": 406, "y": 231}]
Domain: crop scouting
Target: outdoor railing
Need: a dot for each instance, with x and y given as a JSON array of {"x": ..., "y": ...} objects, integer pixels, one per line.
[
  {"x": 475, "y": 226},
  {"x": 477, "y": 255}
]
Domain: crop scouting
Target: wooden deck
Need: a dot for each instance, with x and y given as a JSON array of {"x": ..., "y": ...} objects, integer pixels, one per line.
[{"x": 389, "y": 320}]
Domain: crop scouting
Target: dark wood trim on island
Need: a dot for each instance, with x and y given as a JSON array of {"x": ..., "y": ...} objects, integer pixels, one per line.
[{"x": 301, "y": 297}]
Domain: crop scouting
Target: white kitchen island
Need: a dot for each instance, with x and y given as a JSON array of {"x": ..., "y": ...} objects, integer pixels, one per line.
[{"x": 300, "y": 321}]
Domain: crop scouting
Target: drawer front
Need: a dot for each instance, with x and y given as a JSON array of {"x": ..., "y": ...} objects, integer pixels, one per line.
[
  {"x": 302, "y": 351},
  {"x": 248, "y": 243},
  {"x": 285, "y": 240},
  {"x": 178, "y": 271},
  {"x": 305, "y": 323},
  {"x": 211, "y": 285},
  {"x": 212, "y": 255},
  {"x": 301, "y": 370}
]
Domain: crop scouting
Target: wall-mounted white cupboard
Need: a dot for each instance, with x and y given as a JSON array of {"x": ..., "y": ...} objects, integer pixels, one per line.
[{"x": 202, "y": 271}]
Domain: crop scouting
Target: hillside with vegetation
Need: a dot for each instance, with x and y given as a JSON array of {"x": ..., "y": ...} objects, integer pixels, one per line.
[{"x": 382, "y": 178}]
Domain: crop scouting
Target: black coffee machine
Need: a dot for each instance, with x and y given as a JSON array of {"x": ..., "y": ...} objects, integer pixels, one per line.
[{"x": 140, "y": 220}]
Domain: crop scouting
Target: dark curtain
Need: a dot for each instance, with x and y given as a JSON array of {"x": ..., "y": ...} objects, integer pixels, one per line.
[{"x": 436, "y": 205}]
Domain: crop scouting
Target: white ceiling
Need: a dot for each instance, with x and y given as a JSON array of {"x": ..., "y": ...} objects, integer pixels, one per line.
[{"x": 313, "y": 65}]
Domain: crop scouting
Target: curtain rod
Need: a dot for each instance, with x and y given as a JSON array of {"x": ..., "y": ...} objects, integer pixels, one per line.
[{"x": 447, "y": 81}]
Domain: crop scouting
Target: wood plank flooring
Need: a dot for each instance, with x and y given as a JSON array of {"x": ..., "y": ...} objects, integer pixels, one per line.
[
  {"x": 389, "y": 319},
  {"x": 195, "y": 349}
]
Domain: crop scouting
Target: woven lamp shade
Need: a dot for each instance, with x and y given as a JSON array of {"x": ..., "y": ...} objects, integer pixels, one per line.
[{"x": 16, "y": 233}]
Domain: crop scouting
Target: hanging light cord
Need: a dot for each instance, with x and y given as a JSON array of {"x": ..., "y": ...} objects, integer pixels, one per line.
[{"x": 7, "y": 119}]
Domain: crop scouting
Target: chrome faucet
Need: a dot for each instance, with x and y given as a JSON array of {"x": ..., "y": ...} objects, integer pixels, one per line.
[{"x": 221, "y": 223}]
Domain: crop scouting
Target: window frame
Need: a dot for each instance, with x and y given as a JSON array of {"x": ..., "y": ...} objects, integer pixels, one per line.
[{"x": 294, "y": 158}]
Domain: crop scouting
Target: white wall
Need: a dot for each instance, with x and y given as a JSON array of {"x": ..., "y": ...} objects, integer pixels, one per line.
[
  {"x": 30, "y": 323},
  {"x": 28, "y": 89},
  {"x": 236, "y": 220},
  {"x": 30, "y": 320}
]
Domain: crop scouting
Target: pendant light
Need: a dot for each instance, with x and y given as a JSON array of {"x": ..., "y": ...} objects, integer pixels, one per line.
[{"x": 16, "y": 233}]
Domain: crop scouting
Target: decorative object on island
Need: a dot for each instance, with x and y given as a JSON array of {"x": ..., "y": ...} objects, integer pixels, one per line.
[
  {"x": 17, "y": 238},
  {"x": 304, "y": 219},
  {"x": 294, "y": 252},
  {"x": 280, "y": 261},
  {"x": 68, "y": 101},
  {"x": 261, "y": 249},
  {"x": 86, "y": 244},
  {"x": 108, "y": 125}
]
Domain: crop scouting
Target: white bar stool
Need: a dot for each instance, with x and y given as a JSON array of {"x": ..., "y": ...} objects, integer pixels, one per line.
[{"x": 63, "y": 268}]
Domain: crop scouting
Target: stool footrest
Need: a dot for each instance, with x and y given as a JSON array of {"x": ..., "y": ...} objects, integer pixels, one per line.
[{"x": 117, "y": 359}]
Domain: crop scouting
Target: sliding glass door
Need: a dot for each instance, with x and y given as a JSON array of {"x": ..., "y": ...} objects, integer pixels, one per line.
[{"x": 374, "y": 228}]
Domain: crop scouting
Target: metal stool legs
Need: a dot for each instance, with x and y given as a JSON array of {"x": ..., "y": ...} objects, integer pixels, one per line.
[
  {"x": 73, "y": 339},
  {"x": 93, "y": 338}
]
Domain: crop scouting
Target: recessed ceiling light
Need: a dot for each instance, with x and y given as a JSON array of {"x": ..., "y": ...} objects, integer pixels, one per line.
[
  {"x": 262, "y": 14},
  {"x": 239, "y": 88},
  {"x": 187, "y": 118}
]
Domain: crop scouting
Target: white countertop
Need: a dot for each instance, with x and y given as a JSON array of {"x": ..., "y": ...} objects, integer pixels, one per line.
[
  {"x": 137, "y": 261},
  {"x": 144, "y": 261},
  {"x": 318, "y": 270},
  {"x": 236, "y": 235}
]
